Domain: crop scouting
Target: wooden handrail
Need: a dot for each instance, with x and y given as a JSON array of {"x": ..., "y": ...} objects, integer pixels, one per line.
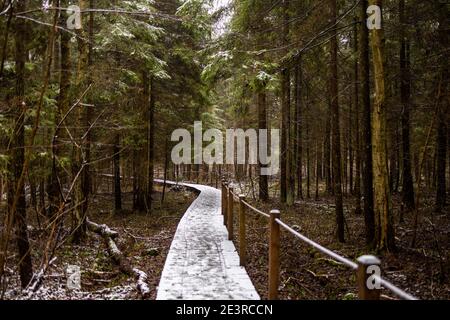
[
  {"x": 317, "y": 246},
  {"x": 256, "y": 210},
  {"x": 365, "y": 266}
]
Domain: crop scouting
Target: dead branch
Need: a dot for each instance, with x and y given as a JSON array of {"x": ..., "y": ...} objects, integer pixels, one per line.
[
  {"x": 36, "y": 281},
  {"x": 118, "y": 257},
  {"x": 102, "y": 229}
]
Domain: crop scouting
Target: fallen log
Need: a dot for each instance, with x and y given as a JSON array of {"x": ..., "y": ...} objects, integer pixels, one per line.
[
  {"x": 102, "y": 229},
  {"x": 117, "y": 256},
  {"x": 36, "y": 280},
  {"x": 142, "y": 282}
]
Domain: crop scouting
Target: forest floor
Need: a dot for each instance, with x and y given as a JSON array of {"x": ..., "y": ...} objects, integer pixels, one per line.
[
  {"x": 144, "y": 239},
  {"x": 422, "y": 271}
]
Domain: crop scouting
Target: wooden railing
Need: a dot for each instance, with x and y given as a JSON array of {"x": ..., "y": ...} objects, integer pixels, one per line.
[{"x": 364, "y": 266}]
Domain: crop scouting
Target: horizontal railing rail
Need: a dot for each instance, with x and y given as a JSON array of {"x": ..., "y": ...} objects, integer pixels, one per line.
[
  {"x": 369, "y": 282},
  {"x": 256, "y": 210},
  {"x": 318, "y": 247}
]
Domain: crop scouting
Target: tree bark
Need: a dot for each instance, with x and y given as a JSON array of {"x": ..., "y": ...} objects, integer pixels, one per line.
[
  {"x": 285, "y": 194},
  {"x": 350, "y": 147},
  {"x": 299, "y": 127},
  {"x": 384, "y": 232},
  {"x": 405, "y": 93},
  {"x": 442, "y": 130},
  {"x": 308, "y": 155},
  {"x": 17, "y": 154},
  {"x": 79, "y": 165},
  {"x": 54, "y": 192},
  {"x": 336, "y": 127},
  {"x": 166, "y": 165},
  {"x": 262, "y": 125},
  {"x": 317, "y": 172},
  {"x": 369, "y": 219},
  {"x": 358, "y": 150},
  {"x": 327, "y": 155},
  {"x": 117, "y": 177},
  {"x": 151, "y": 142},
  {"x": 5, "y": 42}
]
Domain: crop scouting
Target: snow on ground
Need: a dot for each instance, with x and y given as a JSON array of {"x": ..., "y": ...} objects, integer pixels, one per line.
[
  {"x": 57, "y": 290},
  {"x": 202, "y": 263}
]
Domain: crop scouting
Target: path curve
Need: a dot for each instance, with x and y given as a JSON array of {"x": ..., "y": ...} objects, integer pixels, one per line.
[{"x": 202, "y": 263}]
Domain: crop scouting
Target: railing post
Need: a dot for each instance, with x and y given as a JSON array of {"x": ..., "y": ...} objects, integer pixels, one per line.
[
  {"x": 223, "y": 196},
  {"x": 230, "y": 213},
  {"x": 368, "y": 289},
  {"x": 225, "y": 202},
  {"x": 274, "y": 255},
  {"x": 242, "y": 240}
]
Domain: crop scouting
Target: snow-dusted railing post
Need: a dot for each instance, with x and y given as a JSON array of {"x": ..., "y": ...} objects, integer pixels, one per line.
[
  {"x": 224, "y": 202},
  {"x": 274, "y": 254},
  {"x": 242, "y": 240},
  {"x": 230, "y": 213},
  {"x": 362, "y": 277},
  {"x": 223, "y": 196}
]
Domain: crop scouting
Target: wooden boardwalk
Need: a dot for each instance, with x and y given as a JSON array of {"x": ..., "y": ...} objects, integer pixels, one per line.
[{"x": 202, "y": 263}]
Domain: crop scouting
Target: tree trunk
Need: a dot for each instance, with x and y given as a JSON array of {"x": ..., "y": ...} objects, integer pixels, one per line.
[
  {"x": 166, "y": 164},
  {"x": 79, "y": 164},
  {"x": 262, "y": 125},
  {"x": 151, "y": 142},
  {"x": 54, "y": 192},
  {"x": 317, "y": 172},
  {"x": 405, "y": 93},
  {"x": 357, "y": 190},
  {"x": 350, "y": 146},
  {"x": 336, "y": 127},
  {"x": 117, "y": 178},
  {"x": 442, "y": 130},
  {"x": 42, "y": 206},
  {"x": 5, "y": 42},
  {"x": 17, "y": 155},
  {"x": 327, "y": 155},
  {"x": 285, "y": 114},
  {"x": 369, "y": 219},
  {"x": 384, "y": 232},
  {"x": 308, "y": 157},
  {"x": 299, "y": 128}
]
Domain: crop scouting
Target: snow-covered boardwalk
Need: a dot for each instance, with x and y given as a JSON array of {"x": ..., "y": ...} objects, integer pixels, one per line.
[{"x": 202, "y": 264}]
